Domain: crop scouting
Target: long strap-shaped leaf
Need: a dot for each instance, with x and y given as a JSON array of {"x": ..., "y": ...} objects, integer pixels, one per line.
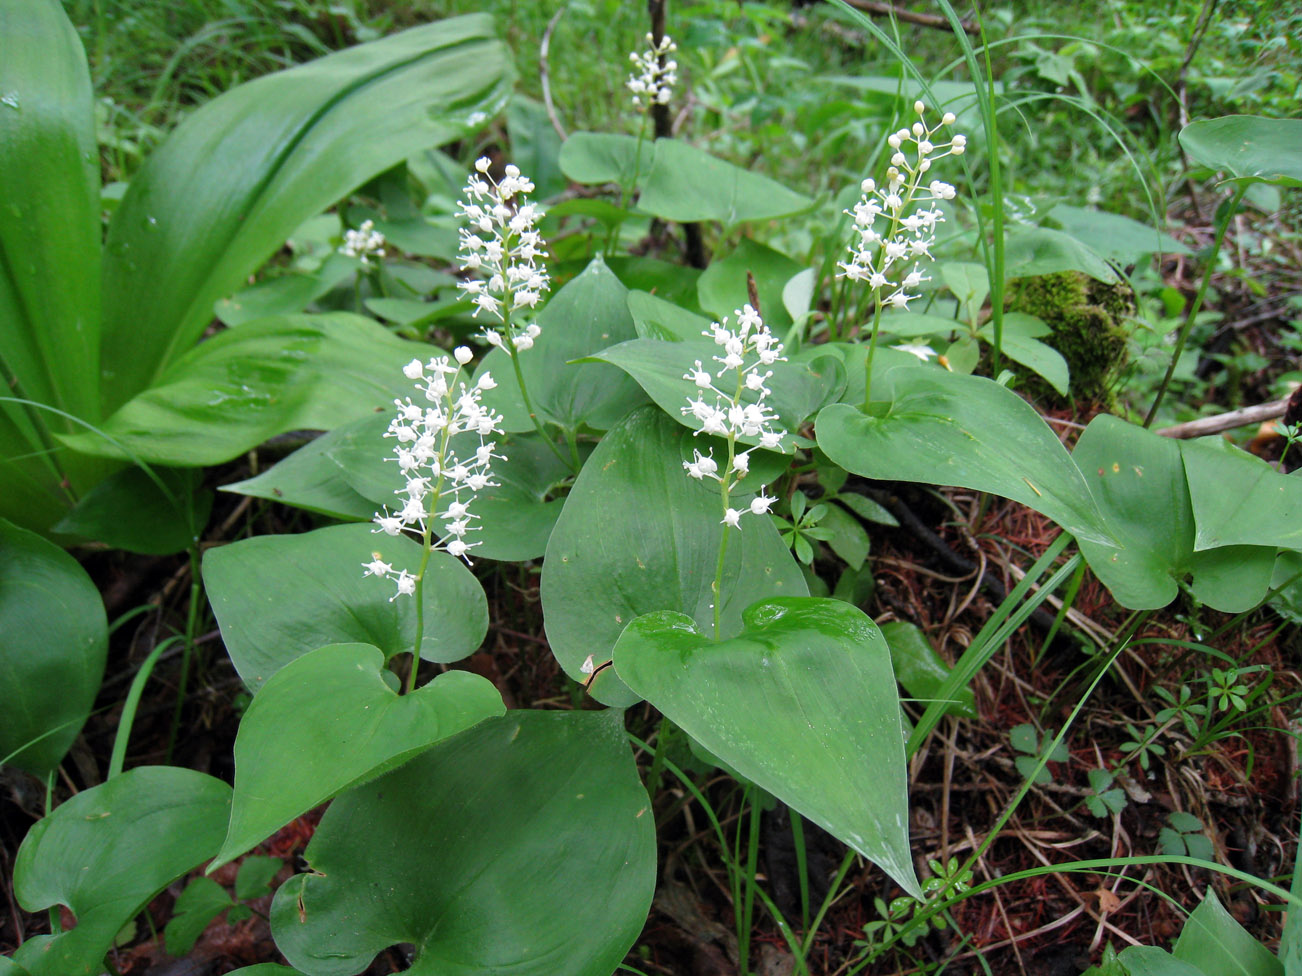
[
  {"x": 49, "y": 243},
  {"x": 239, "y": 175}
]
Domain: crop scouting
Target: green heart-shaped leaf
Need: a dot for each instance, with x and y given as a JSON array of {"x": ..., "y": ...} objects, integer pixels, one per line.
[
  {"x": 1248, "y": 147},
  {"x": 277, "y": 597},
  {"x": 524, "y": 845},
  {"x": 945, "y": 429},
  {"x": 723, "y": 287},
  {"x": 53, "y": 644},
  {"x": 587, "y": 315},
  {"x": 1138, "y": 479},
  {"x": 327, "y": 722},
  {"x": 1239, "y": 499},
  {"x": 1214, "y": 942},
  {"x": 107, "y": 851},
  {"x": 686, "y": 183},
  {"x": 801, "y": 702},
  {"x": 637, "y": 534}
]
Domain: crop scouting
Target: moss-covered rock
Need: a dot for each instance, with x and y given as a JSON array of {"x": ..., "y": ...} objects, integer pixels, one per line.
[{"x": 1088, "y": 321}]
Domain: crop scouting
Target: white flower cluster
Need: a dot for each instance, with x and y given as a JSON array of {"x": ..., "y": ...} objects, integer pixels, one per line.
[
  {"x": 431, "y": 469},
  {"x": 908, "y": 236},
  {"x": 502, "y": 245},
  {"x": 746, "y": 352},
  {"x": 653, "y": 80},
  {"x": 363, "y": 242}
]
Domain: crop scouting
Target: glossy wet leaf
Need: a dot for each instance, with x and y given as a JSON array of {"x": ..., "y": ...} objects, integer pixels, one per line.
[
  {"x": 941, "y": 428},
  {"x": 277, "y": 597},
  {"x": 1248, "y": 147},
  {"x": 524, "y": 845},
  {"x": 686, "y": 183},
  {"x": 129, "y": 510},
  {"x": 800, "y": 701},
  {"x": 285, "y": 295},
  {"x": 1239, "y": 499},
  {"x": 50, "y": 242},
  {"x": 242, "y": 172},
  {"x": 920, "y": 669},
  {"x": 1214, "y": 942},
  {"x": 656, "y": 318},
  {"x": 245, "y": 385},
  {"x": 53, "y": 644},
  {"x": 1152, "y": 961},
  {"x": 328, "y": 722},
  {"x": 636, "y": 535},
  {"x": 310, "y": 479},
  {"x": 587, "y": 315},
  {"x": 107, "y": 851}
]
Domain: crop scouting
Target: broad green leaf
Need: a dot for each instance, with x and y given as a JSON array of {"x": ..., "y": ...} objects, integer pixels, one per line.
[
  {"x": 50, "y": 221},
  {"x": 328, "y": 722},
  {"x": 945, "y": 429},
  {"x": 288, "y": 294},
  {"x": 253, "y": 880},
  {"x": 637, "y": 534},
  {"x": 1152, "y": 961},
  {"x": 266, "y": 969},
  {"x": 1138, "y": 480},
  {"x": 277, "y": 597},
  {"x": 524, "y": 845},
  {"x": 1021, "y": 344},
  {"x": 246, "y": 169},
  {"x": 129, "y": 510},
  {"x": 722, "y": 287},
  {"x": 605, "y": 157},
  {"x": 107, "y": 851},
  {"x": 310, "y": 479},
  {"x": 798, "y": 293},
  {"x": 1214, "y": 942},
  {"x": 799, "y": 388},
  {"x": 1040, "y": 250},
  {"x": 587, "y": 315},
  {"x": 655, "y": 318},
  {"x": 1248, "y": 147},
  {"x": 535, "y": 145},
  {"x": 970, "y": 284},
  {"x": 1290, "y": 940},
  {"x": 670, "y": 281},
  {"x": 920, "y": 669},
  {"x": 53, "y": 644},
  {"x": 1239, "y": 499},
  {"x": 248, "y": 384},
  {"x": 1112, "y": 236},
  {"x": 50, "y": 252},
  {"x": 202, "y": 900},
  {"x": 912, "y": 325},
  {"x": 801, "y": 701},
  {"x": 686, "y": 184},
  {"x": 10, "y": 968}
]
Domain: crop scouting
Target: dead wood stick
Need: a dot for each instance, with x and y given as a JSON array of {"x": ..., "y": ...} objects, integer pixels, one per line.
[
  {"x": 922, "y": 20},
  {"x": 1243, "y": 417}
]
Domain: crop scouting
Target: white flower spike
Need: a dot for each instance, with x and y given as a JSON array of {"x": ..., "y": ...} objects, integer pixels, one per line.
[
  {"x": 501, "y": 244},
  {"x": 878, "y": 254},
  {"x": 433, "y": 468},
  {"x": 363, "y": 243},
  {"x": 738, "y": 408},
  {"x": 655, "y": 73}
]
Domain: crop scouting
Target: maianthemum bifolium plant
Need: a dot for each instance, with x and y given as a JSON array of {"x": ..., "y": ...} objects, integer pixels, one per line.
[{"x": 641, "y": 452}]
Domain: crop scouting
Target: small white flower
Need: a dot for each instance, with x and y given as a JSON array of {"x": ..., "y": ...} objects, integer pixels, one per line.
[
  {"x": 760, "y": 504},
  {"x": 732, "y": 517},
  {"x": 923, "y": 352},
  {"x": 363, "y": 243}
]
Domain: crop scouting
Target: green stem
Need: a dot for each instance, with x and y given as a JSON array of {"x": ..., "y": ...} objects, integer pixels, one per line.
[
  {"x": 528, "y": 404},
  {"x": 119, "y": 756},
  {"x": 1222, "y": 226},
  {"x": 725, "y": 487},
  {"x": 187, "y": 650},
  {"x": 872, "y": 349}
]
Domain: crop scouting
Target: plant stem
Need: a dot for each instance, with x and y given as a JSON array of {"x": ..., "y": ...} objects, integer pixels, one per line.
[
  {"x": 128, "y": 717},
  {"x": 725, "y": 488},
  {"x": 872, "y": 349},
  {"x": 1222, "y": 226},
  {"x": 528, "y": 405},
  {"x": 187, "y": 649}
]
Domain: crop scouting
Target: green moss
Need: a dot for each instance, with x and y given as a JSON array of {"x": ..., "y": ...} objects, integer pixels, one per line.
[{"x": 1088, "y": 322}]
